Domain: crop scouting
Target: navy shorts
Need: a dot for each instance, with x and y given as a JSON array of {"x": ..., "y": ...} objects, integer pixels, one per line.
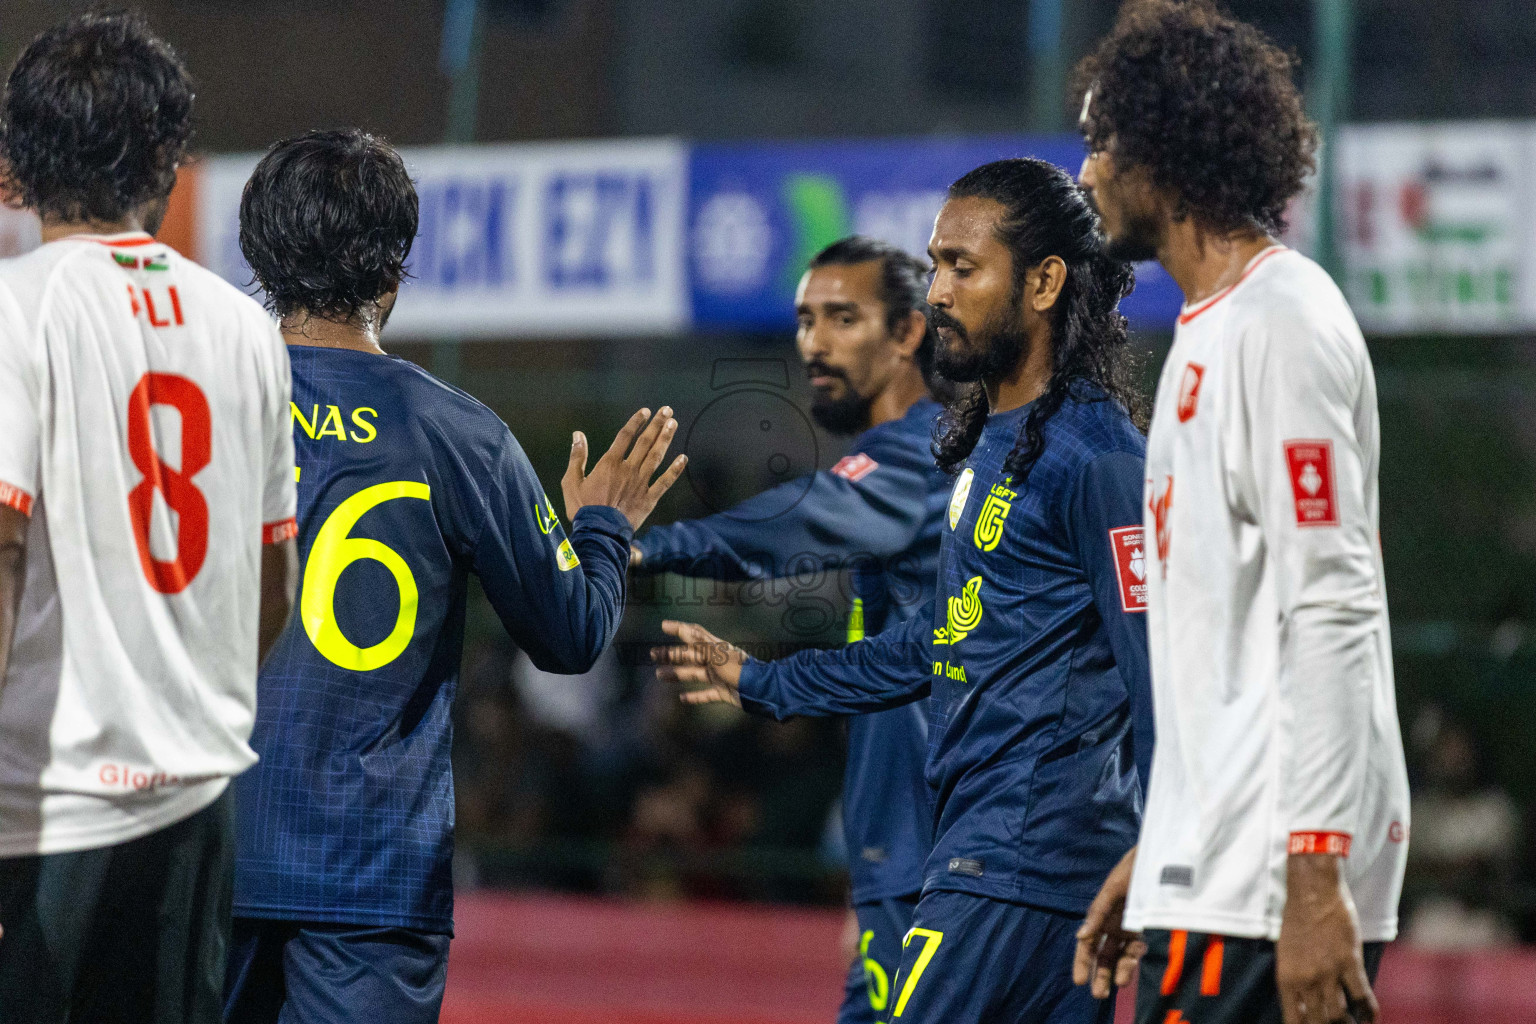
[
  {"x": 295, "y": 972},
  {"x": 882, "y": 925},
  {"x": 973, "y": 960}
]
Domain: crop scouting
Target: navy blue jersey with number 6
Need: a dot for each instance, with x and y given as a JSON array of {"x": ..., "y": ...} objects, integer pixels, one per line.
[{"x": 406, "y": 486}]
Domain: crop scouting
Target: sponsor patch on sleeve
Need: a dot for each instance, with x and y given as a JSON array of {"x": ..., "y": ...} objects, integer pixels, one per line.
[
  {"x": 1337, "y": 843},
  {"x": 1311, "y": 466},
  {"x": 565, "y": 555},
  {"x": 855, "y": 467},
  {"x": 14, "y": 497},
  {"x": 1189, "y": 391},
  {"x": 276, "y": 533},
  {"x": 1130, "y": 567}
]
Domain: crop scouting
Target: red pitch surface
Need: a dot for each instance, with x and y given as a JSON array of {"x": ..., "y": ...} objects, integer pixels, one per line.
[{"x": 559, "y": 960}]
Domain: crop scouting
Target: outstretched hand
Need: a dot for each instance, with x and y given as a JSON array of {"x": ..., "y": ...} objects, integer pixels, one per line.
[
  {"x": 1107, "y": 954},
  {"x": 701, "y": 660},
  {"x": 624, "y": 481}
]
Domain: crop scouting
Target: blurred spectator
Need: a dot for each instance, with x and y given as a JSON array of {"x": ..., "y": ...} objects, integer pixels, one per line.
[
  {"x": 605, "y": 782},
  {"x": 581, "y": 706},
  {"x": 1465, "y": 842}
]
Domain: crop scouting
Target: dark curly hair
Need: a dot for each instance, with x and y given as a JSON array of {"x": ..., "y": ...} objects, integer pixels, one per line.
[
  {"x": 326, "y": 223},
  {"x": 1046, "y": 214},
  {"x": 903, "y": 286},
  {"x": 1208, "y": 105},
  {"x": 97, "y": 114}
]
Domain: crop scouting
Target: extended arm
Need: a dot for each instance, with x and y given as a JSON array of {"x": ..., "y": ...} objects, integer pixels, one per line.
[
  {"x": 825, "y": 518},
  {"x": 561, "y": 597},
  {"x": 884, "y": 671}
]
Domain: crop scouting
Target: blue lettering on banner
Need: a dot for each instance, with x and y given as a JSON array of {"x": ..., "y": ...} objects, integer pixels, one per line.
[
  {"x": 758, "y": 211},
  {"x": 462, "y": 239},
  {"x": 599, "y": 230}
]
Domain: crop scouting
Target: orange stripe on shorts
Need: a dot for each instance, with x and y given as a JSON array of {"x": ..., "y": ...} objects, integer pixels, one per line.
[
  {"x": 1210, "y": 967},
  {"x": 1175, "y": 970}
]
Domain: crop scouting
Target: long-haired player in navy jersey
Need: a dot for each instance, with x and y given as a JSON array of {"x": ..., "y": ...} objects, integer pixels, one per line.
[
  {"x": 343, "y": 891},
  {"x": 1035, "y": 650}
]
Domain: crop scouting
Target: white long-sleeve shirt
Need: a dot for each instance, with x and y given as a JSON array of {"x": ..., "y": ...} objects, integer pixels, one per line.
[{"x": 1271, "y": 658}]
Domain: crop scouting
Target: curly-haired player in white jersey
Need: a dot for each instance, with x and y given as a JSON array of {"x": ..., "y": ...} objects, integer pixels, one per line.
[
  {"x": 1267, "y": 875},
  {"x": 147, "y": 558}
]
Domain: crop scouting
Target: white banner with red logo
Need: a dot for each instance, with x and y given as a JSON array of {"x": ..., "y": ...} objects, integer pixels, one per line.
[{"x": 1436, "y": 225}]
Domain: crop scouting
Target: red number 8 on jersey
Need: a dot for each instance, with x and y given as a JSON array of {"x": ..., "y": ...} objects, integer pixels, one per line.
[{"x": 181, "y": 494}]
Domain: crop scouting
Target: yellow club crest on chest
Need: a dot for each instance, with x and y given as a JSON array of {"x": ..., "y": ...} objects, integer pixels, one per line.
[{"x": 994, "y": 511}]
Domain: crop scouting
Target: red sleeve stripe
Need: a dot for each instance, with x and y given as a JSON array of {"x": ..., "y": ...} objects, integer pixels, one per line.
[
  {"x": 276, "y": 533},
  {"x": 14, "y": 497},
  {"x": 1320, "y": 842}
]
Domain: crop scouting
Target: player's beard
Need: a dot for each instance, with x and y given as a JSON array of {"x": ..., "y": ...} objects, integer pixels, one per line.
[
  {"x": 842, "y": 416},
  {"x": 999, "y": 346},
  {"x": 1138, "y": 240}
]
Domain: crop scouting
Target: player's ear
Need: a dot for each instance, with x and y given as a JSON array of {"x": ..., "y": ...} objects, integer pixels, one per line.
[
  {"x": 909, "y": 333},
  {"x": 1044, "y": 281}
]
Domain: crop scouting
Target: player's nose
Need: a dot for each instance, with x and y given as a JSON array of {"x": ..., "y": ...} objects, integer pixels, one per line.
[
  {"x": 1085, "y": 174},
  {"x": 938, "y": 291}
]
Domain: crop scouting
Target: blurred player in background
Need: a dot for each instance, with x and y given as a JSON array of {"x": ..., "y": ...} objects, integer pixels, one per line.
[
  {"x": 343, "y": 895},
  {"x": 146, "y": 546},
  {"x": 1274, "y": 840},
  {"x": 1035, "y": 650},
  {"x": 868, "y": 349}
]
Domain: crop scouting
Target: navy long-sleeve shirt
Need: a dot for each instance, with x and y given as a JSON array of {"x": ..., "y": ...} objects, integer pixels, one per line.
[
  {"x": 406, "y": 486},
  {"x": 879, "y": 513},
  {"x": 1035, "y": 655}
]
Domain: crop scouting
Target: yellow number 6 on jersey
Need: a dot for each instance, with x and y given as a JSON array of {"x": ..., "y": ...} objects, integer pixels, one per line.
[{"x": 332, "y": 552}]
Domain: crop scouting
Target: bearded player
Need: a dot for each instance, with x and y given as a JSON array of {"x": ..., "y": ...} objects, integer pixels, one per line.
[
  {"x": 343, "y": 888},
  {"x": 868, "y": 350},
  {"x": 1035, "y": 651},
  {"x": 1271, "y": 858}
]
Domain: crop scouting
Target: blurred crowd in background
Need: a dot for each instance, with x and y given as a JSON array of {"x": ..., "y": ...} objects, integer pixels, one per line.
[{"x": 605, "y": 783}]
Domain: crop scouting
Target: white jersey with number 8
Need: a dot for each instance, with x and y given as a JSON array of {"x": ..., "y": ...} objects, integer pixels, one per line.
[{"x": 144, "y": 429}]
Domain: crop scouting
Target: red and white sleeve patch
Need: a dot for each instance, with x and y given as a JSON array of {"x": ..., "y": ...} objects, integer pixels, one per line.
[
  {"x": 1130, "y": 567},
  {"x": 14, "y": 497},
  {"x": 276, "y": 533},
  {"x": 1320, "y": 842},
  {"x": 855, "y": 467},
  {"x": 1189, "y": 391},
  {"x": 1311, "y": 466}
]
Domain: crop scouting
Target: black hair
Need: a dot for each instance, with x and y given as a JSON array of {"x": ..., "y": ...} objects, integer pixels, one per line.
[
  {"x": 903, "y": 288},
  {"x": 96, "y": 116},
  {"x": 1046, "y": 214},
  {"x": 1207, "y": 104},
  {"x": 326, "y": 223}
]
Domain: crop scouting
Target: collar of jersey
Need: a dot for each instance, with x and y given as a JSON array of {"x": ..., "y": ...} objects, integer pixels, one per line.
[
  {"x": 123, "y": 240},
  {"x": 1188, "y": 313}
]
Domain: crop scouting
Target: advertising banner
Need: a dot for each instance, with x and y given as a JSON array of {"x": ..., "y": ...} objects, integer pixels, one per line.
[
  {"x": 1436, "y": 225},
  {"x": 541, "y": 240},
  {"x": 758, "y": 212}
]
